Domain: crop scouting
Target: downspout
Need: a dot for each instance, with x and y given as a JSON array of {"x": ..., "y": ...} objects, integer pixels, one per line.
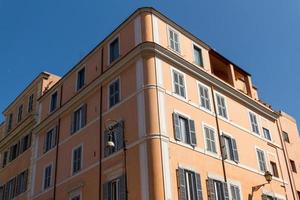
[
  {"x": 125, "y": 164},
  {"x": 219, "y": 134},
  {"x": 285, "y": 153},
  {"x": 283, "y": 182}
]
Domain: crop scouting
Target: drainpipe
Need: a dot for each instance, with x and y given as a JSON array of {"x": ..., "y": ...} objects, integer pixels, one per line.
[{"x": 218, "y": 131}]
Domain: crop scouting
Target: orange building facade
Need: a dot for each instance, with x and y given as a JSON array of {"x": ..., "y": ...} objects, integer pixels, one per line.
[{"x": 152, "y": 112}]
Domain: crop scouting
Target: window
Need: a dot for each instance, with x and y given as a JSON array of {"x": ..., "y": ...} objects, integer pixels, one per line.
[
  {"x": 80, "y": 78},
  {"x": 21, "y": 185},
  {"x": 222, "y": 111},
  {"x": 114, "y": 93},
  {"x": 76, "y": 197},
  {"x": 286, "y": 137},
  {"x": 261, "y": 160},
  {"x": 14, "y": 151},
  {"x": 47, "y": 177},
  {"x": 5, "y": 159},
  {"x": 115, "y": 189},
  {"x": 174, "y": 40},
  {"x": 9, "y": 189},
  {"x": 298, "y": 192},
  {"x": 116, "y": 136},
  {"x": 79, "y": 118},
  {"x": 20, "y": 113},
  {"x": 204, "y": 97},
  {"x": 274, "y": 169},
  {"x": 53, "y": 102},
  {"x": 189, "y": 184},
  {"x": 77, "y": 160},
  {"x": 114, "y": 51},
  {"x": 2, "y": 192},
  {"x": 293, "y": 165},
  {"x": 30, "y": 103},
  {"x": 50, "y": 139},
  {"x": 217, "y": 190},
  {"x": 184, "y": 129},
  {"x": 25, "y": 143},
  {"x": 229, "y": 148},
  {"x": 210, "y": 139},
  {"x": 267, "y": 134},
  {"x": 235, "y": 192},
  {"x": 178, "y": 83},
  {"x": 198, "y": 56},
  {"x": 254, "y": 124},
  {"x": 10, "y": 120}
]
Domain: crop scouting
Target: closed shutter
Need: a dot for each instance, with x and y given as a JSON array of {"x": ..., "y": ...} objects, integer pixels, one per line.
[
  {"x": 235, "y": 151},
  {"x": 192, "y": 132},
  {"x": 176, "y": 126},
  {"x": 105, "y": 191},
  {"x": 122, "y": 188},
  {"x": 84, "y": 115},
  {"x": 225, "y": 189},
  {"x": 181, "y": 184},
  {"x": 211, "y": 189},
  {"x": 199, "y": 187},
  {"x": 223, "y": 148}
]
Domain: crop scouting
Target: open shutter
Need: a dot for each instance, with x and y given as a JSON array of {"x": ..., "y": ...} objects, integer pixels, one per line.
[
  {"x": 105, "y": 191},
  {"x": 122, "y": 188},
  {"x": 72, "y": 127},
  {"x": 84, "y": 115},
  {"x": 106, "y": 150},
  {"x": 181, "y": 184},
  {"x": 225, "y": 189},
  {"x": 211, "y": 189},
  {"x": 223, "y": 148},
  {"x": 199, "y": 187},
  {"x": 192, "y": 132},
  {"x": 235, "y": 151},
  {"x": 176, "y": 126}
]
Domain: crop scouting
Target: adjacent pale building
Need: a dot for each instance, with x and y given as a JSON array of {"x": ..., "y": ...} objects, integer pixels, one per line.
[{"x": 151, "y": 113}]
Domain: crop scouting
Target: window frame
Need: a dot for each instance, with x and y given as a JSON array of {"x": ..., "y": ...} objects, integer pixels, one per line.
[
  {"x": 235, "y": 186},
  {"x": 10, "y": 122},
  {"x": 257, "y": 123},
  {"x": 56, "y": 103},
  {"x": 53, "y": 141},
  {"x": 258, "y": 161},
  {"x": 81, "y": 160},
  {"x": 192, "y": 140},
  {"x": 273, "y": 165},
  {"x": 83, "y": 118},
  {"x": 44, "y": 188},
  {"x": 108, "y": 92},
  {"x": 264, "y": 135},
  {"x": 20, "y": 113},
  {"x": 169, "y": 28},
  {"x": 116, "y": 37},
  {"x": 205, "y": 141},
  {"x": 174, "y": 70},
  {"x": 286, "y": 137},
  {"x": 293, "y": 166},
  {"x": 197, "y": 47},
  {"x": 75, "y": 194},
  {"x": 199, "y": 84},
  {"x": 30, "y": 103},
  {"x": 216, "y": 94},
  {"x": 77, "y": 88}
]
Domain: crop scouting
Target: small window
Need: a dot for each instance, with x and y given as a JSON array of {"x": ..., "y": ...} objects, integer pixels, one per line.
[
  {"x": 80, "y": 78},
  {"x": 267, "y": 134},
  {"x": 30, "y": 103},
  {"x": 114, "y": 50},
  {"x": 198, "y": 56},
  {"x": 77, "y": 160},
  {"x": 210, "y": 139},
  {"x": 114, "y": 93},
  {"x": 21, "y": 182},
  {"x": 235, "y": 192},
  {"x": 254, "y": 123},
  {"x": 189, "y": 184},
  {"x": 274, "y": 169},
  {"x": 178, "y": 83},
  {"x": 222, "y": 110},
  {"x": 293, "y": 165},
  {"x": 115, "y": 189},
  {"x": 286, "y": 137},
  {"x": 47, "y": 177},
  {"x": 174, "y": 40},
  {"x": 116, "y": 136},
  {"x": 204, "y": 97},
  {"x": 50, "y": 139},
  {"x": 79, "y": 118},
  {"x": 20, "y": 113},
  {"x": 229, "y": 148},
  {"x": 184, "y": 129},
  {"x": 217, "y": 190},
  {"x": 53, "y": 102},
  {"x": 10, "y": 120},
  {"x": 261, "y": 160}
]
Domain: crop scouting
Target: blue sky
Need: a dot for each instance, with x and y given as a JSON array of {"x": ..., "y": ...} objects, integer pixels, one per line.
[{"x": 52, "y": 35}]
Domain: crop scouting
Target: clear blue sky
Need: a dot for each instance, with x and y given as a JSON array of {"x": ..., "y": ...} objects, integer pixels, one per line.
[{"x": 262, "y": 36}]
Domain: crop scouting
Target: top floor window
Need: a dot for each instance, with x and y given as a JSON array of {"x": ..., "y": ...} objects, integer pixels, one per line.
[
  {"x": 114, "y": 50},
  {"x": 10, "y": 121},
  {"x": 114, "y": 93},
  {"x": 80, "y": 78},
  {"x": 254, "y": 123},
  {"x": 53, "y": 102},
  {"x": 20, "y": 113},
  {"x": 286, "y": 137},
  {"x": 30, "y": 103},
  {"x": 174, "y": 40},
  {"x": 222, "y": 110},
  {"x": 179, "y": 83},
  {"x": 198, "y": 56}
]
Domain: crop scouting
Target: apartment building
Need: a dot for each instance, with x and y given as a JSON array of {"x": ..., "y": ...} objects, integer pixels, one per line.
[{"x": 152, "y": 112}]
